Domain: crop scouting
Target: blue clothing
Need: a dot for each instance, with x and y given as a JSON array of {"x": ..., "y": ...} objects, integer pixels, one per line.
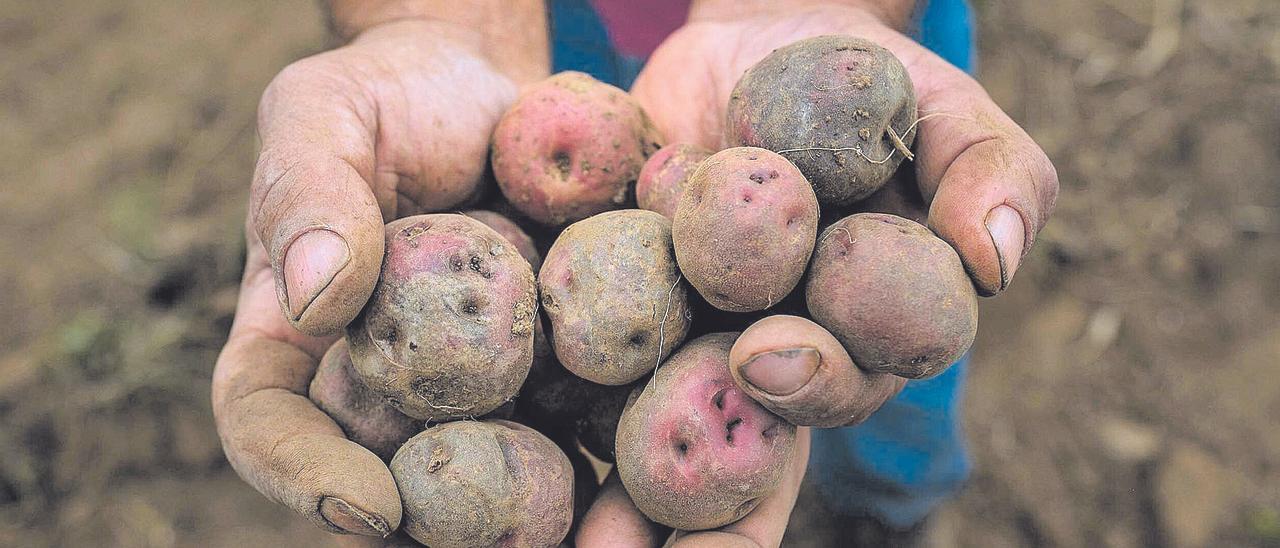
[{"x": 909, "y": 456}]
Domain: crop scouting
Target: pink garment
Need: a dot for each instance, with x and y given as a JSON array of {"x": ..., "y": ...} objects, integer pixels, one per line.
[{"x": 638, "y": 26}]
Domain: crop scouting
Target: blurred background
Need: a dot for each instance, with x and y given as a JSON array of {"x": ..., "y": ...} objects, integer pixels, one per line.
[{"x": 1125, "y": 391}]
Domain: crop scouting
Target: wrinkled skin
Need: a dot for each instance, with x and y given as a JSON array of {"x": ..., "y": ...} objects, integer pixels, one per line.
[
  {"x": 613, "y": 294},
  {"x": 666, "y": 175},
  {"x": 744, "y": 229},
  {"x": 895, "y": 295},
  {"x": 694, "y": 451},
  {"x": 805, "y": 376},
  {"x": 570, "y": 147},
  {"x": 484, "y": 483},
  {"x": 512, "y": 232},
  {"x": 832, "y": 92},
  {"x": 448, "y": 332},
  {"x": 364, "y": 416}
]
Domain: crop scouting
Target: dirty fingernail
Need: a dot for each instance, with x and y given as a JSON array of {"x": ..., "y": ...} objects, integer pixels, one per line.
[
  {"x": 341, "y": 514},
  {"x": 781, "y": 372},
  {"x": 1006, "y": 229},
  {"x": 310, "y": 263}
]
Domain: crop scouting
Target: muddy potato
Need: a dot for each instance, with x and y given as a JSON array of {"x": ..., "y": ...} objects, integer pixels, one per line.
[
  {"x": 611, "y": 289},
  {"x": 364, "y": 416},
  {"x": 484, "y": 483},
  {"x": 570, "y": 147},
  {"x": 896, "y": 296},
  {"x": 512, "y": 232},
  {"x": 744, "y": 229},
  {"x": 694, "y": 451},
  {"x": 842, "y": 108},
  {"x": 448, "y": 332},
  {"x": 664, "y": 177}
]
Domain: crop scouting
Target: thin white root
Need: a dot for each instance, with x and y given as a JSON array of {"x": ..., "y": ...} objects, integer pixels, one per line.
[{"x": 662, "y": 325}]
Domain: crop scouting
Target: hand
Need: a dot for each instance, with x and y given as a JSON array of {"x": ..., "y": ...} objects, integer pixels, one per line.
[{"x": 395, "y": 123}]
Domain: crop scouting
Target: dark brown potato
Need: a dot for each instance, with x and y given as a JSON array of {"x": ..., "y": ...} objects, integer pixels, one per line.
[
  {"x": 484, "y": 483},
  {"x": 666, "y": 175},
  {"x": 840, "y": 107},
  {"x": 364, "y": 416},
  {"x": 570, "y": 147},
  {"x": 745, "y": 228},
  {"x": 448, "y": 332},
  {"x": 568, "y": 409},
  {"x": 896, "y": 296},
  {"x": 512, "y": 232},
  {"x": 611, "y": 289},
  {"x": 694, "y": 451}
]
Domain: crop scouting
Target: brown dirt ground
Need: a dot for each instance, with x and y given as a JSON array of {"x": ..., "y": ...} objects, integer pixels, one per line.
[{"x": 1124, "y": 392}]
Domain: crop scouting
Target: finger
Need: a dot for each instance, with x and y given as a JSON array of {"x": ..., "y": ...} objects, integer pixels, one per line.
[
  {"x": 614, "y": 521},
  {"x": 276, "y": 439},
  {"x": 798, "y": 370},
  {"x": 766, "y": 524},
  {"x": 311, "y": 203},
  {"x": 990, "y": 187}
]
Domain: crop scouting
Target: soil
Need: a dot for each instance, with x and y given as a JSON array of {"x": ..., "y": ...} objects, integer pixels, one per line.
[{"x": 1124, "y": 391}]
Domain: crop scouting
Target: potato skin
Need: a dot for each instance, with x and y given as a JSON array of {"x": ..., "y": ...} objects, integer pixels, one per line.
[
  {"x": 896, "y": 296},
  {"x": 745, "y": 228},
  {"x": 694, "y": 451},
  {"x": 448, "y": 332},
  {"x": 664, "y": 177},
  {"x": 833, "y": 92},
  {"x": 364, "y": 416},
  {"x": 484, "y": 483},
  {"x": 512, "y": 232},
  {"x": 570, "y": 147},
  {"x": 612, "y": 291}
]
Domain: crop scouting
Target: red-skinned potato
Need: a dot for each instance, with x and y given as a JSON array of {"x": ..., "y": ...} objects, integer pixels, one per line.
[
  {"x": 664, "y": 177},
  {"x": 842, "y": 108},
  {"x": 364, "y": 416},
  {"x": 896, "y": 296},
  {"x": 512, "y": 232},
  {"x": 612, "y": 291},
  {"x": 693, "y": 450},
  {"x": 798, "y": 370},
  {"x": 484, "y": 483},
  {"x": 570, "y": 147},
  {"x": 745, "y": 228},
  {"x": 448, "y": 332}
]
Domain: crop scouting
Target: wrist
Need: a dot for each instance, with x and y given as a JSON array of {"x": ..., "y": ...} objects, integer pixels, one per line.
[
  {"x": 510, "y": 34},
  {"x": 901, "y": 15}
]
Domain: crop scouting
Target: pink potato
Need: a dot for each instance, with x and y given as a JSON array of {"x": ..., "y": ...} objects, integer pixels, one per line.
[
  {"x": 512, "y": 232},
  {"x": 745, "y": 228},
  {"x": 842, "y": 108},
  {"x": 664, "y": 177},
  {"x": 484, "y": 483},
  {"x": 448, "y": 332},
  {"x": 694, "y": 451},
  {"x": 364, "y": 416},
  {"x": 896, "y": 296},
  {"x": 613, "y": 294},
  {"x": 570, "y": 147}
]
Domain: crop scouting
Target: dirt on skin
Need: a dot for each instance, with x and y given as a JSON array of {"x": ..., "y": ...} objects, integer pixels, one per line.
[{"x": 1133, "y": 359}]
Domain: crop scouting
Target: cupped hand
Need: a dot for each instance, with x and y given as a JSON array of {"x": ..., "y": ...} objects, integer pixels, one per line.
[{"x": 395, "y": 123}]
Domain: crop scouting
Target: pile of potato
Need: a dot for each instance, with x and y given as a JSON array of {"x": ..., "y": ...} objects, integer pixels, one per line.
[{"x": 480, "y": 365}]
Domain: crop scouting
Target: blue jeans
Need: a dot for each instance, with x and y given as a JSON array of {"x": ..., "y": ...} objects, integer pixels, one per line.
[{"x": 910, "y": 456}]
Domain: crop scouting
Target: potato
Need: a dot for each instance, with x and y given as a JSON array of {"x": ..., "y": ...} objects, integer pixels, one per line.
[
  {"x": 899, "y": 196},
  {"x": 448, "y": 332},
  {"x": 611, "y": 289},
  {"x": 840, "y": 107},
  {"x": 694, "y": 451},
  {"x": 512, "y": 232},
  {"x": 570, "y": 147},
  {"x": 896, "y": 296},
  {"x": 484, "y": 483},
  {"x": 664, "y": 177},
  {"x": 745, "y": 228},
  {"x": 364, "y": 416},
  {"x": 570, "y": 409}
]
